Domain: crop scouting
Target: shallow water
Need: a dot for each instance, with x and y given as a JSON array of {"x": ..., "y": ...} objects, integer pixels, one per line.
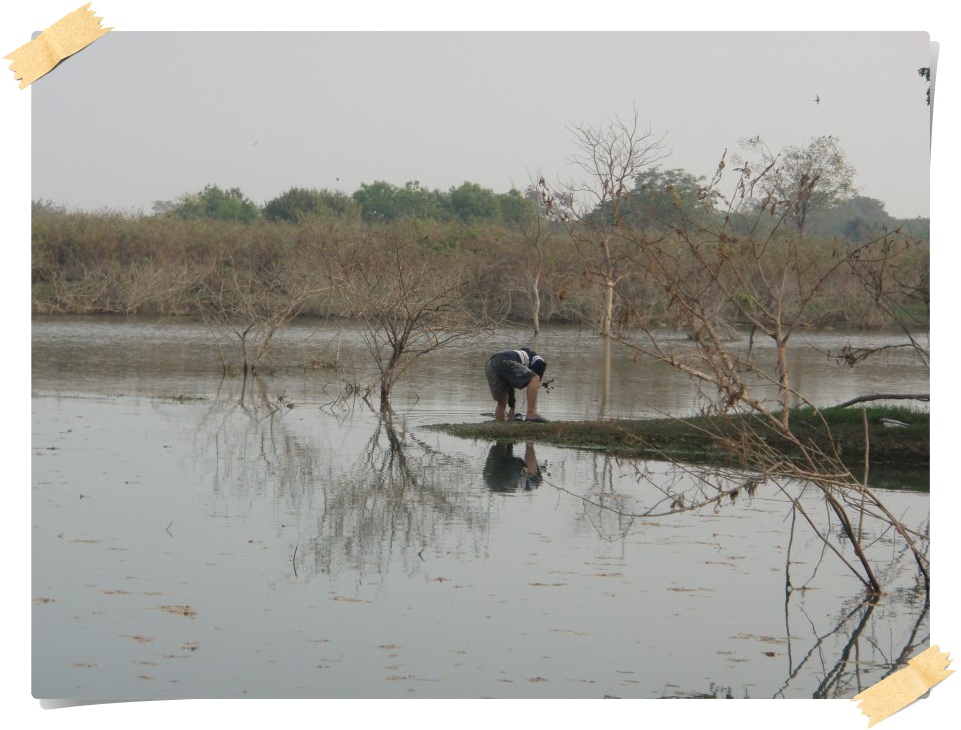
[{"x": 203, "y": 537}]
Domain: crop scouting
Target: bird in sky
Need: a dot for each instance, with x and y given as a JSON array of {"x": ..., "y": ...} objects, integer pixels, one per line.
[{"x": 817, "y": 99}]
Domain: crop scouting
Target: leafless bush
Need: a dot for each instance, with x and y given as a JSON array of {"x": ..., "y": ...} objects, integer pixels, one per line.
[{"x": 409, "y": 300}]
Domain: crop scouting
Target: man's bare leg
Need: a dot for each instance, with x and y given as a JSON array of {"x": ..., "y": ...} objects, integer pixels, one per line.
[{"x": 532, "y": 387}]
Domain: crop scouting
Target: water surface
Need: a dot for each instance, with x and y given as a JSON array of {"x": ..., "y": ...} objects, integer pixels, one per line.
[{"x": 195, "y": 536}]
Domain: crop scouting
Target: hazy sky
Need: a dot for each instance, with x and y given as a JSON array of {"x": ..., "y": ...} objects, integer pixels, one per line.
[{"x": 143, "y": 116}]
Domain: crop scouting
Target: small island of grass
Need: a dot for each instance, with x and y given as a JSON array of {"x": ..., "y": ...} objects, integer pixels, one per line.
[{"x": 898, "y": 452}]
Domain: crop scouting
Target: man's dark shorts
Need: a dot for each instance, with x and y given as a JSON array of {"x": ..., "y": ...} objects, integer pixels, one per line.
[{"x": 504, "y": 374}]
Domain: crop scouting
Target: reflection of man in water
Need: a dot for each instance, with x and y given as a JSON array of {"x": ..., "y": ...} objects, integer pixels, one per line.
[{"x": 504, "y": 472}]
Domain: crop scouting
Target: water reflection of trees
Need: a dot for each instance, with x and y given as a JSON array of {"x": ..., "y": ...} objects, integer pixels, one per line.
[
  {"x": 662, "y": 489},
  {"x": 245, "y": 442},
  {"x": 607, "y": 507},
  {"x": 847, "y": 657},
  {"x": 846, "y": 652},
  {"x": 395, "y": 500},
  {"x": 865, "y": 657},
  {"x": 398, "y": 498}
]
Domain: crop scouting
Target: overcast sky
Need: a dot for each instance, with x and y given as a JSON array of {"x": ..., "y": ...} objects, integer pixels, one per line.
[{"x": 144, "y": 116}]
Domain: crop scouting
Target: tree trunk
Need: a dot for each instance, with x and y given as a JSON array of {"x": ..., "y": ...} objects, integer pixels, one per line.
[
  {"x": 783, "y": 381},
  {"x": 606, "y": 386},
  {"x": 536, "y": 305}
]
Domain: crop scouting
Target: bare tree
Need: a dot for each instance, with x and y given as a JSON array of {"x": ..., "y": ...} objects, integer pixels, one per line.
[
  {"x": 766, "y": 284},
  {"x": 535, "y": 234},
  {"x": 407, "y": 302},
  {"x": 900, "y": 286},
  {"x": 611, "y": 156},
  {"x": 249, "y": 293},
  {"x": 726, "y": 268}
]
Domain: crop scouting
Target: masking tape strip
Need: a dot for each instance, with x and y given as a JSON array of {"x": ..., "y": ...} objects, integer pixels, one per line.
[
  {"x": 70, "y": 34},
  {"x": 899, "y": 690}
]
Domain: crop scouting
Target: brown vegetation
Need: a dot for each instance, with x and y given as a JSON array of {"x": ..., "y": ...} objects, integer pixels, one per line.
[{"x": 110, "y": 263}]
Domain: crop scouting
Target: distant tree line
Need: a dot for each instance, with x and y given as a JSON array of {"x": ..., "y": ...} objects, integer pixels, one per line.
[
  {"x": 538, "y": 255},
  {"x": 659, "y": 199},
  {"x": 373, "y": 202}
]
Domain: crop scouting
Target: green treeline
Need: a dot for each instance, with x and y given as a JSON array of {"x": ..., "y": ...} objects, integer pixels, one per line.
[
  {"x": 375, "y": 202},
  {"x": 659, "y": 197},
  {"x": 511, "y": 256}
]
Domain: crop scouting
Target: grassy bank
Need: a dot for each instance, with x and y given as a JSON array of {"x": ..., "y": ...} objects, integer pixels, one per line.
[{"x": 897, "y": 456}]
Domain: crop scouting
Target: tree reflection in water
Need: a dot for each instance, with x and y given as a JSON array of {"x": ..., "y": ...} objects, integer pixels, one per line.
[
  {"x": 399, "y": 499},
  {"x": 847, "y": 652},
  {"x": 386, "y": 500},
  {"x": 852, "y": 670}
]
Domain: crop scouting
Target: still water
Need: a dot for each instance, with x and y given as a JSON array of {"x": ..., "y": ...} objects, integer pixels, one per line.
[{"x": 207, "y": 537}]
